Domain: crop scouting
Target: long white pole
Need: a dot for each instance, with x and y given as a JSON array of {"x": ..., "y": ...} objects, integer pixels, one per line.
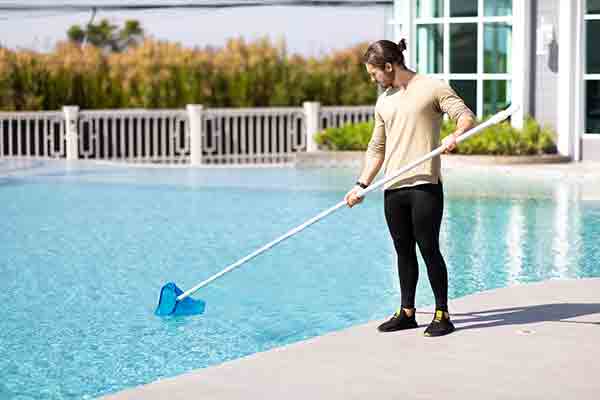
[{"x": 501, "y": 116}]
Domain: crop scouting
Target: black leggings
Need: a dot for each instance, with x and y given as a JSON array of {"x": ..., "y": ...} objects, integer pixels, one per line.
[{"x": 414, "y": 215}]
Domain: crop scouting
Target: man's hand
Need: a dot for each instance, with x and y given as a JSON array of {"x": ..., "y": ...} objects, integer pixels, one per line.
[
  {"x": 449, "y": 142},
  {"x": 465, "y": 122},
  {"x": 351, "y": 198}
]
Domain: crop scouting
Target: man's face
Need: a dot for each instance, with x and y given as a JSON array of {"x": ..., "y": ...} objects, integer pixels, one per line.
[{"x": 383, "y": 77}]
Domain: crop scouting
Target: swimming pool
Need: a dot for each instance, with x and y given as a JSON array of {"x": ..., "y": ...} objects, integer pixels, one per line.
[{"x": 85, "y": 249}]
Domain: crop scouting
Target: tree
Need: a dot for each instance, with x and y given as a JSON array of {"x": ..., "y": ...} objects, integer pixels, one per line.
[
  {"x": 102, "y": 35},
  {"x": 107, "y": 36},
  {"x": 76, "y": 34},
  {"x": 131, "y": 34}
]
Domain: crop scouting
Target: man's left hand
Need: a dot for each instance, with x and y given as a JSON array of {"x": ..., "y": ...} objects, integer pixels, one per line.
[{"x": 449, "y": 142}]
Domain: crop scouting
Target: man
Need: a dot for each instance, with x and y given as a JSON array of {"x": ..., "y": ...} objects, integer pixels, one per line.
[{"x": 408, "y": 116}]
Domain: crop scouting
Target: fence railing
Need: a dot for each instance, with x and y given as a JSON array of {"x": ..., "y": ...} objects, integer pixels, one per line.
[
  {"x": 252, "y": 135},
  {"x": 33, "y": 134},
  {"x": 134, "y": 135},
  {"x": 330, "y": 117},
  {"x": 193, "y": 136}
]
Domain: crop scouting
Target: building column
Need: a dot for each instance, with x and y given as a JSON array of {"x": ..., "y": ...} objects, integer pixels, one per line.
[
  {"x": 521, "y": 60},
  {"x": 580, "y": 40},
  {"x": 570, "y": 78}
]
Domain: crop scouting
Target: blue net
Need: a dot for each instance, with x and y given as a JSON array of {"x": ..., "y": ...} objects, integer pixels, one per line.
[{"x": 168, "y": 304}]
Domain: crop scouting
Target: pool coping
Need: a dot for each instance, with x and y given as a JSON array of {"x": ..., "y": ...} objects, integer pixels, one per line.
[
  {"x": 531, "y": 341},
  {"x": 355, "y": 158}
]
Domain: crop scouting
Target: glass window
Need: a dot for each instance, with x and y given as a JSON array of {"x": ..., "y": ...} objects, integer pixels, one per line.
[
  {"x": 497, "y": 42},
  {"x": 593, "y": 55},
  {"x": 496, "y": 96},
  {"x": 430, "y": 47},
  {"x": 593, "y": 7},
  {"x": 592, "y": 106},
  {"x": 467, "y": 90},
  {"x": 463, "y": 8},
  {"x": 430, "y": 8},
  {"x": 463, "y": 48},
  {"x": 592, "y": 87},
  {"x": 497, "y": 8}
]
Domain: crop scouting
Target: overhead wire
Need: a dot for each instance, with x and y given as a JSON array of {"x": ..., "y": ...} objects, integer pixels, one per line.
[
  {"x": 40, "y": 11},
  {"x": 206, "y": 4},
  {"x": 39, "y": 16},
  {"x": 68, "y": 8}
]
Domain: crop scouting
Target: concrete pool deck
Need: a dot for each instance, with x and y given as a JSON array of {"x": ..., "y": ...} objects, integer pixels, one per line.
[{"x": 534, "y": 341}]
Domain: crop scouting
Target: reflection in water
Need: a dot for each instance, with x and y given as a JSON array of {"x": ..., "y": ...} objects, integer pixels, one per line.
[
  {"x": 493, "y": 241},
  {"x": 567, "y": 233},
  {"x": 514, "y": 238},
  {"x": 560, "y": 242},
  {"x": 479, "y": 244}
]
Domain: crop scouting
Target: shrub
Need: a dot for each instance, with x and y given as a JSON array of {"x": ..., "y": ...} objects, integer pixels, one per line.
[
  {"x": 348, "y": 137},
  {"x": 500, "y": 139},
  {"x": 158, "y": 74}
]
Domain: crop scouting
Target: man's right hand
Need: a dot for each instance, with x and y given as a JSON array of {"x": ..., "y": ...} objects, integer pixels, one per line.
[{"x": 352, "y": 198}]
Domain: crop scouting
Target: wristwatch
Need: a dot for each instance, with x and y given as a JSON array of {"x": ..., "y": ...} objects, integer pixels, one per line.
[{"x": 362, "y": 185}]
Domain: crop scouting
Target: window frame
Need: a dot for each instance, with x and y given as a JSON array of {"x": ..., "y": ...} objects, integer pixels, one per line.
[
  {"x": 586, "y": 76},
  {"x": 480, "y": 20}
]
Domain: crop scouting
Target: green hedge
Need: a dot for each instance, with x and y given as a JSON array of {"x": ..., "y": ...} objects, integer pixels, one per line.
[
  {"x": 158, "y": 74},
  {"x": 500, "y": 139}
]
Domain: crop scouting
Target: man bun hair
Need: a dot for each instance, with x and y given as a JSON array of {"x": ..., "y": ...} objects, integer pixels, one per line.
[
  {"x": 382, "y": 52},
  {"x": 402, "y": 45}
]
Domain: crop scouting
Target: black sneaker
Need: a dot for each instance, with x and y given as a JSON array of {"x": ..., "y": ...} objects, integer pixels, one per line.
[
  {"x": 440, "y": 326},
  {"x": 398, "y": 322}
]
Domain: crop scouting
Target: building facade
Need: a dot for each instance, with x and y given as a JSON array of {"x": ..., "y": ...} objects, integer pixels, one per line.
[{"x": 539, "y": 54}]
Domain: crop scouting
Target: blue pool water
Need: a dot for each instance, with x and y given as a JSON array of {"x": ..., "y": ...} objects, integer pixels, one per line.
[{"x": 84, "y": 251}]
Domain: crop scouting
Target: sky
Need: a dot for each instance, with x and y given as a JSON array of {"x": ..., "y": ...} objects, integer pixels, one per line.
[{"x": 310, "y": 31}]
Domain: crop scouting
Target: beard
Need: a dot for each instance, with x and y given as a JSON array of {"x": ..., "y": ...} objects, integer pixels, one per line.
[{"x": 388, "y": 79}]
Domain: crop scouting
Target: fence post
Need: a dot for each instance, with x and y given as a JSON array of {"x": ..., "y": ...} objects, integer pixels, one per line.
[
  {"x": 311, "y": 111},
  {"x": 195, "y": 118},
  {"x": 71, "y": 119}
]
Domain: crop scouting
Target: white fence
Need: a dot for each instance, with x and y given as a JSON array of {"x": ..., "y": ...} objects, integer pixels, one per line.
[
  {"x": 193, "y": 136},
  {"x": 133, "y": 135},
  {"x": 33, "y": 134}
]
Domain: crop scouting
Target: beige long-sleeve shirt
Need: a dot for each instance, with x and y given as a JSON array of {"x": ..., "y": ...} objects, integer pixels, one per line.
[{"x": 407, "y": 127}]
